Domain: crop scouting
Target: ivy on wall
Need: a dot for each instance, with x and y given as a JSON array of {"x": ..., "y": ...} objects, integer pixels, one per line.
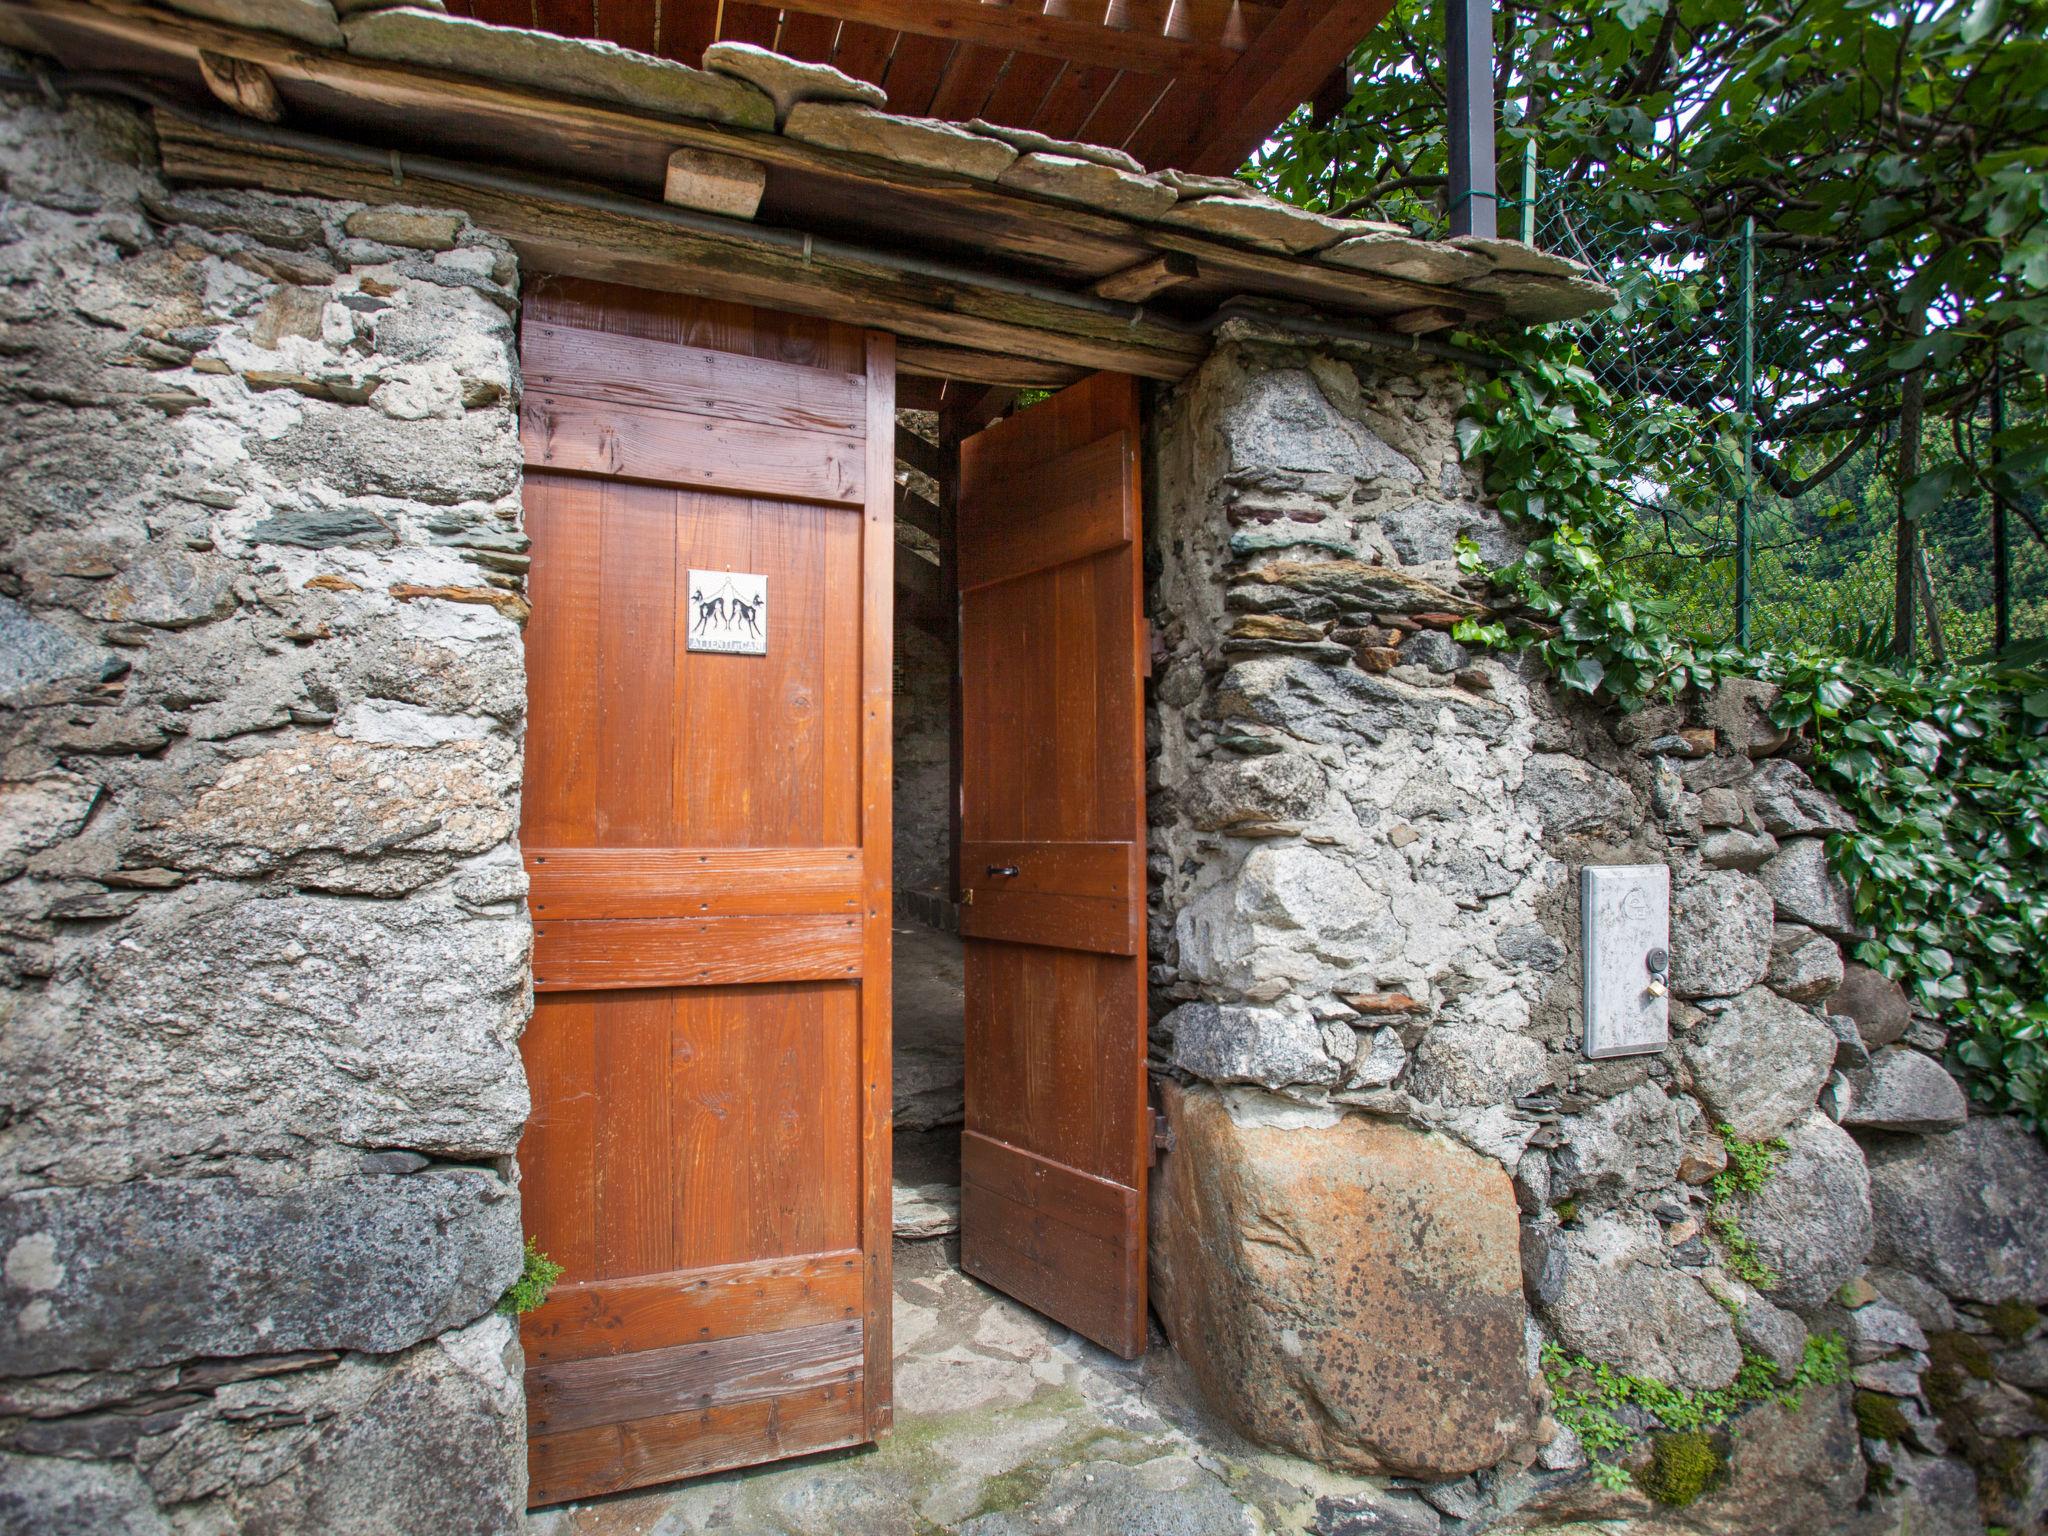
[{"x": 1945, "y": 771}]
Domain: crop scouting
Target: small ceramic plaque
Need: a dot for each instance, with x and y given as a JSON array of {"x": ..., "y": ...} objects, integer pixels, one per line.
[
  {"x": 729, "y": 612},
  {"x": 1625, "y": 933}
]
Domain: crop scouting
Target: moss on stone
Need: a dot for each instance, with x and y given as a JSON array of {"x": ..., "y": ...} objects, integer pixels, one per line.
[
  {"x": 1880, "y": 1417},
  {"x": 1567, "y": 1211},
  {"x": 1682, "y": 1467},
  {"x": 1962, "y": 1353},
  {"x": 2012, "y": 1321}
]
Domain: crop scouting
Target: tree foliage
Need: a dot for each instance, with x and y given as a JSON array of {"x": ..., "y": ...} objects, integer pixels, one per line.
[{"x": 1894, "y": 159}]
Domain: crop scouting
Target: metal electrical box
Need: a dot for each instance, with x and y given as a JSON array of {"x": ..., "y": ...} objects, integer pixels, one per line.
[{"x": 1625, "y": 937}]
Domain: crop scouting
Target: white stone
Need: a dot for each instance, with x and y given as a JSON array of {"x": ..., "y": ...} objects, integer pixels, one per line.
[
  {"x": 786, "y": 81},
  {"x": 917, "y": 141},
  {"x": 1267, "y": 223},
  {"x": 1089, "y": 183}
]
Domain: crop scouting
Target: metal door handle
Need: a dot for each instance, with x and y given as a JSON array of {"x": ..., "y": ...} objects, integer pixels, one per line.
[{"x": 1007, "y": 871}]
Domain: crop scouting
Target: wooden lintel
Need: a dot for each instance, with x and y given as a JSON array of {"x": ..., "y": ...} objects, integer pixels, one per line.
[
  {"x": 241, "y": 86},
  {"x": 1420, "y": 322},
  {"x": 1141, "y": 280},
  {"x": 580, "y": 241},
  {"x": 713, "y": 183}
]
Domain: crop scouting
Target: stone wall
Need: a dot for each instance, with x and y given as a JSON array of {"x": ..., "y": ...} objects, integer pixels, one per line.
[
  {"x": 1395, "y": 1174},
  {"x": 923, "y": 771},
  {"x": 264, "y": 945}
]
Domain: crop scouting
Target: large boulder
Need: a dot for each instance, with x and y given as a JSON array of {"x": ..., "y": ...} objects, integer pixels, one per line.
[
  {"x": 1788, "y": 804},
  {"x": 1621, "y": 1302},
  {"x": 1351, "y": 1292},
  {"x": 1255, "y": 793},
  {"x": 1906, "y": 1091},
  {"x": 1965, "y": 1210},
  {"x": 1226, "y": 1044},
  {"x": 1721, "y": 926},
  {"x": 1876, "y": 1004},
  {"x": 1760, "y": 1064},
  {"x": 1806, "y": 889},
  {"x": 1811, "y": 1220},
  {"x": 1567, "y": 795},
  {"x": 1620, "y": 1146},
  {"x": 1805, "y": 966}
]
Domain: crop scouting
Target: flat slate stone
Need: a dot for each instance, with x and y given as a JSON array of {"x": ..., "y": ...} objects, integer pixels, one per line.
[
  {"x": 310, "y": 21},
  {"x": 1091, "y": 184},
  {"x": 1189, "y": 184},
  {"x": 1515, "y": 256},
  {"x": 918, "y": 141},
  {"x": 573, "y": 66},
  {"x": 1264, "y": 222},
  {"x": 1026, "y": 142},
  {"x": 1404, "y": 256},
  {"x": 1535, "y": 298},
  {"x": 788, "y": 81}
]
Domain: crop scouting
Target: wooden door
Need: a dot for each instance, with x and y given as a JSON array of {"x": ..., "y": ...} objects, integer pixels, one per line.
[
  {"x": 1052, "y": 849},
  {"x": 707, "y": 838}
]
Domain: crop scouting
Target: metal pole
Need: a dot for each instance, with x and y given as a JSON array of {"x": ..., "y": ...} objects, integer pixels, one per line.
[
  {"x": 1468, "y": 59},
  {"x": 2001, "y": 573},
  {"x": 1747, "y": 405},
  {"x": 1529, "y": 190},
  {"x": 1905, "y": 541}
]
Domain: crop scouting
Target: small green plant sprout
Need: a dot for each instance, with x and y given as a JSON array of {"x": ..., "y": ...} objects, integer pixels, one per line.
[
  {"x": 1750, "y": 1166},
  {"x": 536, "y": 1279}
]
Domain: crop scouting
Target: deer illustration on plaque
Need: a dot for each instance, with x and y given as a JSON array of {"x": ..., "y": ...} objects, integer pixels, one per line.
[{"x": 728, "y": 613}]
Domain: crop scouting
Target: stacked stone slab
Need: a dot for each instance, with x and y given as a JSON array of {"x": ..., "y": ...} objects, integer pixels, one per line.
[
  {"x": 265, "y": 954},
  {"x": 1363, "y": 864}
]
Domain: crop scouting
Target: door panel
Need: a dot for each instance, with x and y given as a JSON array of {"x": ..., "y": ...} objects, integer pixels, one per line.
[
  {"x": 1052, "y": 860},
  {"x": 707, "y": 841}
]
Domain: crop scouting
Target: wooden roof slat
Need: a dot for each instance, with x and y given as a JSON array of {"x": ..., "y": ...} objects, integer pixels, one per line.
[
  {"x": 1122, "y": 108},
  {"x": 916, "y": 66},
  {"x": 741, "y": 23},
  {"x": 807, "y": 37},
  {"x": 970, "y": 75},
  {"x": 1016, "y": 97},
  {"x": 863, "y": 51},
  {"x": 1214, "y": 131},
  {"x": 1014, "y": 29},
  {"x": 686, "y": 28}
]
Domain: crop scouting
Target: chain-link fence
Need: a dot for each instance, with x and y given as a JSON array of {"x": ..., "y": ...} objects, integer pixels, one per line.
[{"x": 1759, "y": 526}]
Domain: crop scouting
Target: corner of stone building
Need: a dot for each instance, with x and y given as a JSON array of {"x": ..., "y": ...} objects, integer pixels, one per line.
[
  {"x": 1365, "y": 948},
  {"x": 265, "y": 954}
]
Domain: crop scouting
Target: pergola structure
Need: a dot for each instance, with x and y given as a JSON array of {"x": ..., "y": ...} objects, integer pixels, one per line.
[{"x": 1192, "y": 84}]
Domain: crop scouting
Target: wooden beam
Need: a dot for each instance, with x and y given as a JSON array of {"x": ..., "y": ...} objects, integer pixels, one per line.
[
  {"x": 930, "y": 360},
  {"x": 1420, "y": 322},
  {"x": 1026, "y": 30},
  {"x": 565, "y": 237},
  {"x": 913, "y": 509},
  {"x": 713, "y": 183},
  {"x": 1212, "y": 129},
  {"x": 241, "y": 86},
  {"x": 920, "y": 595},
  {"x": 1141, "y": 280},
  {"x": 922, "y": 455}
]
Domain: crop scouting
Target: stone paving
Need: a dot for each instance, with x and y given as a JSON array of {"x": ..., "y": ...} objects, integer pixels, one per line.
[{"x": 1010, "y": 1425}]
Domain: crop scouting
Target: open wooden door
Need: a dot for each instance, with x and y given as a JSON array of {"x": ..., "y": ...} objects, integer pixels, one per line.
[
  {"x": 706, "y": 828},
  {"x": 1052, "y": 854}
]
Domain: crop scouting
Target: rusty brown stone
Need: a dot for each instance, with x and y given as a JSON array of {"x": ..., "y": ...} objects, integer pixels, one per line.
[
  {"x": 329, "y": 582},
  {"x": 511, "y": 604},
  {"x": 1702, "y": 739},
  {"x": 1437, "y": 620},
  {"x": 1272, "y": 626},
  {"x": 1351, "y": 1293},
  {"x": 1378, "y": 658},
  {"x": 1381, "y": 1003}
]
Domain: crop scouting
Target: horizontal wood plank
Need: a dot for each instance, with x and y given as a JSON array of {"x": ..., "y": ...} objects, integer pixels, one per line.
[
  {"x": 1079, "y": 505},
  {"x": 584, "y": 1463},
  {"x": 1025, "y": 29},
  {"x": 632, "y": 370},
  {"x": 596, "y": 954},
  {"x": 691, "y": 882},
  {"x": 613, "y": 1317},
  {"x": 1057, "y": 1239},
  {"x": 610, "y": 1389},
  {"x": 568, "y": 433},
  {"x": 1066, "y": 895}
]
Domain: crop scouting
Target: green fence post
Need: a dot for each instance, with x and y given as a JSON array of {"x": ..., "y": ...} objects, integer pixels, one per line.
[
  {"x": 1747, "y": 405},
  {"x": 1529, "y": 190}
]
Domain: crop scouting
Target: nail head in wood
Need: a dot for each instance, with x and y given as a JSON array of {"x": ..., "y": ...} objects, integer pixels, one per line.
[{"x": 713, "y": 183}]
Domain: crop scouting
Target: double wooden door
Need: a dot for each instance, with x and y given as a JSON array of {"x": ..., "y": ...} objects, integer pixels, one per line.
[
  {"x": 707, "y": 836},
  {"x": 706, "y": 829}
]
